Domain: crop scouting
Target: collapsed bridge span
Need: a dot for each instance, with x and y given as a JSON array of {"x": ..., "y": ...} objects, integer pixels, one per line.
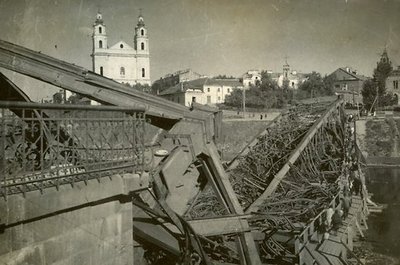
[{"x": 89, "y": 165}]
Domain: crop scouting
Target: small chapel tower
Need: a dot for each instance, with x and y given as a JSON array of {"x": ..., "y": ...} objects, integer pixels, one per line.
[
  {"x": 385, "y": 57},
  {"x": 286, "y": 70}
]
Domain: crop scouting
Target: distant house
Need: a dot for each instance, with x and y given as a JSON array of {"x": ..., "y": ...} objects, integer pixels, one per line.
[
  {"x": 206, "y": 91},
  {"x": 252, "y": 77},
  {"x": 347, "y": 79},
  {"x": 348, "y": 83},
  {"x": 171, "y": 80},
  {"x": 392, "y": 82}
]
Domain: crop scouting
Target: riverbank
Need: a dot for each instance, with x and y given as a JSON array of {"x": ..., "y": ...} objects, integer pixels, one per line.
[{"x": 365, "y": 251}]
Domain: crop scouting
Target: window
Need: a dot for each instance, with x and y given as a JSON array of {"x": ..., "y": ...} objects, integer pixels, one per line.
[
  {"x": 396, "y": 84},
  {"x": 122, "y": 71},
  {"x": 208, "y": 99},
  {"x": 292, "y": 84},
  {"x": 101, "y": 70},
  {"x": 143, "y": 72},
  {"x": 193, "y": 99},
  {"x": 142, "y": 32},
  {"x": 142, "y": 46},
  {"x": 208, "y": 89},
  {"x": 219, "y": 98},
  {"x": 100, "y": 44},
  {"x": 100, "y": 29},
  {"x": 229, "y": 90},
  {"x": 218, "y": 89},
  {"x": 121, "y": 46}
]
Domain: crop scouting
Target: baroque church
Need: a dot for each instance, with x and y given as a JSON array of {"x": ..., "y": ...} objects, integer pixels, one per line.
[{"x": 122, "y": 62}]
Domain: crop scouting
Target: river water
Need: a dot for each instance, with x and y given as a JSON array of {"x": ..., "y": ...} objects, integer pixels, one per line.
[{"x": 384, "y": 228}]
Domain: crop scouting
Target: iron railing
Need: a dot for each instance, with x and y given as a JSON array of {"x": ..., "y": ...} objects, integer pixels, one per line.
[{"x": 47, "y": 145}]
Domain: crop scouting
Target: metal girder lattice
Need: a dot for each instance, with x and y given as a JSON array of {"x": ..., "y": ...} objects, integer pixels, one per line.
[
  {"x": 50, "y": 145},
  {"x": 300, "y": 156}
]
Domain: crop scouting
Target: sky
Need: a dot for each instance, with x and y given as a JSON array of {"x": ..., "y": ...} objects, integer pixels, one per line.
[{"x": 213, "y": 36}]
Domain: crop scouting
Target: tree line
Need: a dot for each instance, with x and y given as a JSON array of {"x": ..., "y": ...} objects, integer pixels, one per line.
[{"x": 267, "y": 93}]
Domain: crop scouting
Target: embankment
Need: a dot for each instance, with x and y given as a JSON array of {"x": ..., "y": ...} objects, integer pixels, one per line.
[{"x": 379, "y": 140}]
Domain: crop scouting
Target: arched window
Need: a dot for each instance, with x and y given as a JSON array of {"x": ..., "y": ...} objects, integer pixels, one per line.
[
  {"x": 101, "y": 70},
  {"x": 142, "y": 45},
  {"x": 143, "y": 72},
  {"x": 100, "y": 44},
  {"x": 142, "y": 32},
  {"x": 121, "y": 46},
  {"x": 122, "y": 71},
  {"x": 100, "y": 29}
]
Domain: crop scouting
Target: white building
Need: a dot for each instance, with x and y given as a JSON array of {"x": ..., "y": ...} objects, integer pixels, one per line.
[
  {"x": 252, "y": 77},
  {"x": 122, "y": 62},
  {"x": 206, "y": 91},
  {"x": 292, "y": 78}
]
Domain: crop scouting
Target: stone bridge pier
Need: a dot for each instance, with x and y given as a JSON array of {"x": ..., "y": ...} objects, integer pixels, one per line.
[{"x": 85, "y": 224}]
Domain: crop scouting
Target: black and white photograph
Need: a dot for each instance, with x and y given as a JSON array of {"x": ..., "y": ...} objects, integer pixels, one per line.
[{"x": 199, "y": 132}]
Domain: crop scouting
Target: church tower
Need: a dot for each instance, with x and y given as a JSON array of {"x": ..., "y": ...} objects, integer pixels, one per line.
[
  {"x": 141, "y": 45},
  {"x": 99, "y": 40},
  {"x": 286, "y": 70},
  {"x": 385, "y": 57},
  {"x": 123, "y": 62}
]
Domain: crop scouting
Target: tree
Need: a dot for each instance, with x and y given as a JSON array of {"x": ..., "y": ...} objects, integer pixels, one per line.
[
  {"x": 374, "y": 90},
  {"x": 267, "y": 83},
  {"x": 224, "y": 77},
  {"x": 235, "y": 99},
  {"x": 316, "y": 86},
  {"x": 140, "y": 87},
  {"x": 265, "y": 94},
  {"x": 368, "y": 93}
]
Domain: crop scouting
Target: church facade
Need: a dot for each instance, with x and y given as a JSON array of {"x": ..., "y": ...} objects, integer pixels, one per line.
[{"x": 122, "y": 62}]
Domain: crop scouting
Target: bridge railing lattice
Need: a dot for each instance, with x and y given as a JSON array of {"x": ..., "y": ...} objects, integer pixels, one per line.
[{"x": 47, "y": 145}]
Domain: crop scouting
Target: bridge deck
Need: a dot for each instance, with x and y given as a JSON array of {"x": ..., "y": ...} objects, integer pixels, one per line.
[{"x": 329, "y": 251}]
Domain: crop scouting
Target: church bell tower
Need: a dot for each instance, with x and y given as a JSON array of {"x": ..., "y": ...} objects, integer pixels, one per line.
[
  {"x": 99, "y": 40},
  {"x": 141, "y": 45}
]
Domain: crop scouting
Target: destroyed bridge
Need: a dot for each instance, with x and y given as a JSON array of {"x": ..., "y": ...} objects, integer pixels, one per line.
[{"x": 81, "y": 185}]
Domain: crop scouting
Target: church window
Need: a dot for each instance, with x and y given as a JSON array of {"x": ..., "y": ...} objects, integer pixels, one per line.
[
  {"x": 100, "y": 29},
  {"x": 142, "y": 32},
  {"x": 101, "y": 70},
  {"x": 122, "y": 71},
  {"x": 142, "y": 46},
  {"x": 121, "y": 45},
  {"x": 100, "y": 44},
  {"x": 143, "y": 72},
  {"x": 208, "y": 89},
  {"x": 395, "y": 84}
]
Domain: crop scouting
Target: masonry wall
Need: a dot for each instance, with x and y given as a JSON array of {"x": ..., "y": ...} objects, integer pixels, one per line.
[{"x": 84, "y": 224}]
